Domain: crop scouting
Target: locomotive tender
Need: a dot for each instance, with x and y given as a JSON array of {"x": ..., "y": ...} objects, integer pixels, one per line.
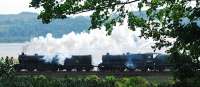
[{"x": 125, "y": 62}]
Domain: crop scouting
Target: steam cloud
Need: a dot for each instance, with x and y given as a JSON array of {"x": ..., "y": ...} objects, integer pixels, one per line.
[{"x": 94, "y": 42}]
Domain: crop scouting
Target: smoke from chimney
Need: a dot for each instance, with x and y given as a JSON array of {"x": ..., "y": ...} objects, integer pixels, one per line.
[{"x": 94, "y": 42}]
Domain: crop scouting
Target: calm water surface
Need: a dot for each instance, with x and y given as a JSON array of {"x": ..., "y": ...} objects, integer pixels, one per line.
[{"x": 11, "y": 49}]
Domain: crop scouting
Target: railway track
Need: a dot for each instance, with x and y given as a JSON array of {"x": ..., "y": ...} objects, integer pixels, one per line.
[{"x": 119, "y": 74}]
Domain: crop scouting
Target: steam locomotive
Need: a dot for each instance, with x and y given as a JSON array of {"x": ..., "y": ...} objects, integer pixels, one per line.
[{"x": 125, "y": 62}]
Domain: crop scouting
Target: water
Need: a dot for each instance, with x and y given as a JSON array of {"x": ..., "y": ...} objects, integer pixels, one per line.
[{"x": 11, "y": 49}]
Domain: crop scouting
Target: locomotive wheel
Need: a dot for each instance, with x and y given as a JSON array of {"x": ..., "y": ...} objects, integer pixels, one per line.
[
  {"x": 131, "y": 70},
  {"x": 31, "y": 69},
  {"x": 17, "y": 70},
  {"x": 87, "y": 69},
  {"x": 161, "y": 69},
  {"x": 101, "y": 69},
  {"x": 106, "y": 70},
  {"x": 115, "y": 70},
  {"x": 121, "y": 69},
  {"x": 41, "y": 69},
  {"x": 69, "y": 69},
  {"x": 17, "y": 67},
  {"x": 79, "y": 69},
  {"x": 144, "y": 69},
  {"x": 54, "y": 69}
]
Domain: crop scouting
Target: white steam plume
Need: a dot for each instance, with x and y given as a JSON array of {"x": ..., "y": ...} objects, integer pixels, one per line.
[{"x": 96, "y": 43}]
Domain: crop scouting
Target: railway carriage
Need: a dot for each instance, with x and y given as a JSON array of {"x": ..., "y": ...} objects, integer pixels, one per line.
[
  {"x": 79, "y": 63},
  {"x": 112, "y": 63}
]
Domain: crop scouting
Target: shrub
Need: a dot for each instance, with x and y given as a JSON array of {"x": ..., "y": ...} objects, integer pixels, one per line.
[
  {"x": 132, "y": 82},
  {"x": 166, "y": 84},
  {"x": 6, "y": 68},
  {"x": 87, "y": 81}
]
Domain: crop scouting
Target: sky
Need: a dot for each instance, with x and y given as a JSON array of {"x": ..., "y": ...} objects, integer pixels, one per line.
[
  {"x": 18, "y": 6},
  {"x": 15, "y": 6}
]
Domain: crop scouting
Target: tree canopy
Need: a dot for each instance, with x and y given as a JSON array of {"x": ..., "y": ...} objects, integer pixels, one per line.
[{"x": 177, "y": 19}]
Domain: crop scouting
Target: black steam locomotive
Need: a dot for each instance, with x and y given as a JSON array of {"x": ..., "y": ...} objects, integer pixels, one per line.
[
  {"x": 125, "y": 62},
  {"x": 132, "y": 62}
]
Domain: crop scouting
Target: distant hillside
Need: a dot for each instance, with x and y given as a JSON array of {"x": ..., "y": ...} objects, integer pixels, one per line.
[{"x": 24, "y": 26}]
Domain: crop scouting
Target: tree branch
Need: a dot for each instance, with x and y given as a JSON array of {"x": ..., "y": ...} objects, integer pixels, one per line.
[{"x": 107, "y": 6}]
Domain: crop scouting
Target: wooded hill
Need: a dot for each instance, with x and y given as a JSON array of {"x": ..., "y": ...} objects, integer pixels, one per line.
[{"x": 24, "y": 26}]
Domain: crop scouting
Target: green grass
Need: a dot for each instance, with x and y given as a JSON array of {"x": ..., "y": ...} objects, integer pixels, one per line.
[{"x": 158, "y": 78}]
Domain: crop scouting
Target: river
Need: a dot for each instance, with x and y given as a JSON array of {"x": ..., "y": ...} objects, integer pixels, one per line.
[{"x": 11, "y": 49}]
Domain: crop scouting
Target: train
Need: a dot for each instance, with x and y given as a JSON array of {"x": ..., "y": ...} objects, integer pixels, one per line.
[{"x": 125, "y": 62}]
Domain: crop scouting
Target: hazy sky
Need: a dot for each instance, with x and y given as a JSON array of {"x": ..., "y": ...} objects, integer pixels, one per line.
[{"x": 15, "y": 6}]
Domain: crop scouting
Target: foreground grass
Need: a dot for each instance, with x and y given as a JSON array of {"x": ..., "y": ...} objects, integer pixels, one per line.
[
  {"x": 82, "y": 81},
  {"x": 159, "y": 78}
]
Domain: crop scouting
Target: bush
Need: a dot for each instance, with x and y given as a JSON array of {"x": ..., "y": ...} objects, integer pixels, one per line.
[
  {"x": 166, "y": 84},
  {"x": 6, "y": 68},
  {"x": 88, "y": 81},
  {"x": 132, "y": 82},
  {"x": 189, "y": 82},
  {"x": 9, "y": 80}
]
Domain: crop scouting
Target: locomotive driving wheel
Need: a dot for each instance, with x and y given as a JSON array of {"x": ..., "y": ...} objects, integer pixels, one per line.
[
  {"x": 161, "y": 69},
  {"x": 30, "y": 69},
  {"x": 69, "y": 69},
  {"x": 122, "y": 69},
  {"x": 54, "y": 69},
  {"x": 79, "y": 69},
  {"x": 87, "y": 69}
]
